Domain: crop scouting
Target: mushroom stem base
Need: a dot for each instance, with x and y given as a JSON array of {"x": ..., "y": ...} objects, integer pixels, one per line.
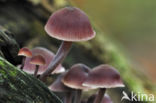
[
  {"x": 36, "y": 70},
  {"x": 23, "y": 61},
  {"x": 78, "y": 96},
  {"x": 100, "y": 95},
  {"x": 68, "y": 98}
]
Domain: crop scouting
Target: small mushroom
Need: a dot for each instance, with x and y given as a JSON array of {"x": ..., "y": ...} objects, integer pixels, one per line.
[
  {"x": 25, "y": 52},
  {"x": 48, "y": 56},
  {"x": 37, "y": 60},
  {"x": 74, "y": 79},
  {"x": 68, "y": 24},
  {"x": 103, "y": 76},
  {"x": 58, "y": 86}
]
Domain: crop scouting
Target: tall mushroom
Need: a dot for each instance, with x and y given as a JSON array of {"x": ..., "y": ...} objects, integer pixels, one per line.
[
  {"x": 103, "y": 76},
  {"x": 37, "y": 60},
  {"x": 25, "y": 52},
  {"x": 58, "y": 86},
  {"x": 48, "y": 56},
  {"x": 69, "y": 24},
  {"x": 74, "y": 79}
]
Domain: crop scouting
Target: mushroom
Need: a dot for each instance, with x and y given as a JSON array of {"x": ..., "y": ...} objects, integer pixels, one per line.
[
  {"x": 68, "y": 24},
  {"x": 48, "y": 56},
  {"x": 103, "y": 76},
  {"x": 37, "y": 60},
  {"x": 74, "y": 79},
  {"x": 58, "y": 86},
  {"x": 105, "y": 99},
  {"x": 25, "y": 52}
]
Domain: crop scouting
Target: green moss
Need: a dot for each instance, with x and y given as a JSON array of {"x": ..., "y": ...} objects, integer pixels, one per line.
[
  {"x": 6, "y": 70},
  {"x": 12, "y": 86},
  {"x": 1, "y": 63},
  {"x": 19, "y": 87}
]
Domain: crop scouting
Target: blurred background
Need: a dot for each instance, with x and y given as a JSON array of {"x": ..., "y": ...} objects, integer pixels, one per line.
[{"x": 130, "y": 22}]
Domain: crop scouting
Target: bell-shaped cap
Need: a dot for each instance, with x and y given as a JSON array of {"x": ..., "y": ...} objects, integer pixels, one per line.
[
  {"x": 103, "y": 76},
  {"x": 25, "y": 52},
  {"x": 69, "y": 24},
  {"x": 76, "y": 75},
  {"x": 58, "y": 86},
  {"x": 48, "y": 56},
  {"x": 37, "y": 60}
]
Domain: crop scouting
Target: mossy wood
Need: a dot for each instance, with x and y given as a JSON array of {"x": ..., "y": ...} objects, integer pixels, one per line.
[
  {"x": 8, "y": 46},
  {"x": 19, "y": 87}
]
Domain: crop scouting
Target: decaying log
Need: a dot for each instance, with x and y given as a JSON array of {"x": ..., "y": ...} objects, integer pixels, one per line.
[
  {"x": 18, "y": 87},
  {"x": 15, "y": 85},
  {"x": 8, "y": 46}
]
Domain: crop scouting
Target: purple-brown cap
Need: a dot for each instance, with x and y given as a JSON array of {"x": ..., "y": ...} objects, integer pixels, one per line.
[
  {"x": 76, "y": 76},
  {"x": 58, "y": 86},
  {"x": 37, "y": 60},
  {"x": 103, "y": 76},
  {"x": 25, "y": 52},
  {"x": 48, "y": 56},
  {"x": 69, "y": 24}
]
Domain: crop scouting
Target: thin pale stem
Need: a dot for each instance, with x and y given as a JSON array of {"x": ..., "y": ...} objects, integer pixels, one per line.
[
  {"x": 59, "y": 57},
  {"x": 23, "y": 61},
  {"x": 78, "y": 96},
  {"x": 36, "y": 70},
  {"x": 100, "y": 95},
  {"x": 68, "y": 97}
]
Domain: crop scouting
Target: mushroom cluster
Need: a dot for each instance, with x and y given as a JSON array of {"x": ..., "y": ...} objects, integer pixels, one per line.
[
  {"x": 70, "y": 24},
  {"x": 38, "y": 61},
  {"x": 81, "y": 78}
]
